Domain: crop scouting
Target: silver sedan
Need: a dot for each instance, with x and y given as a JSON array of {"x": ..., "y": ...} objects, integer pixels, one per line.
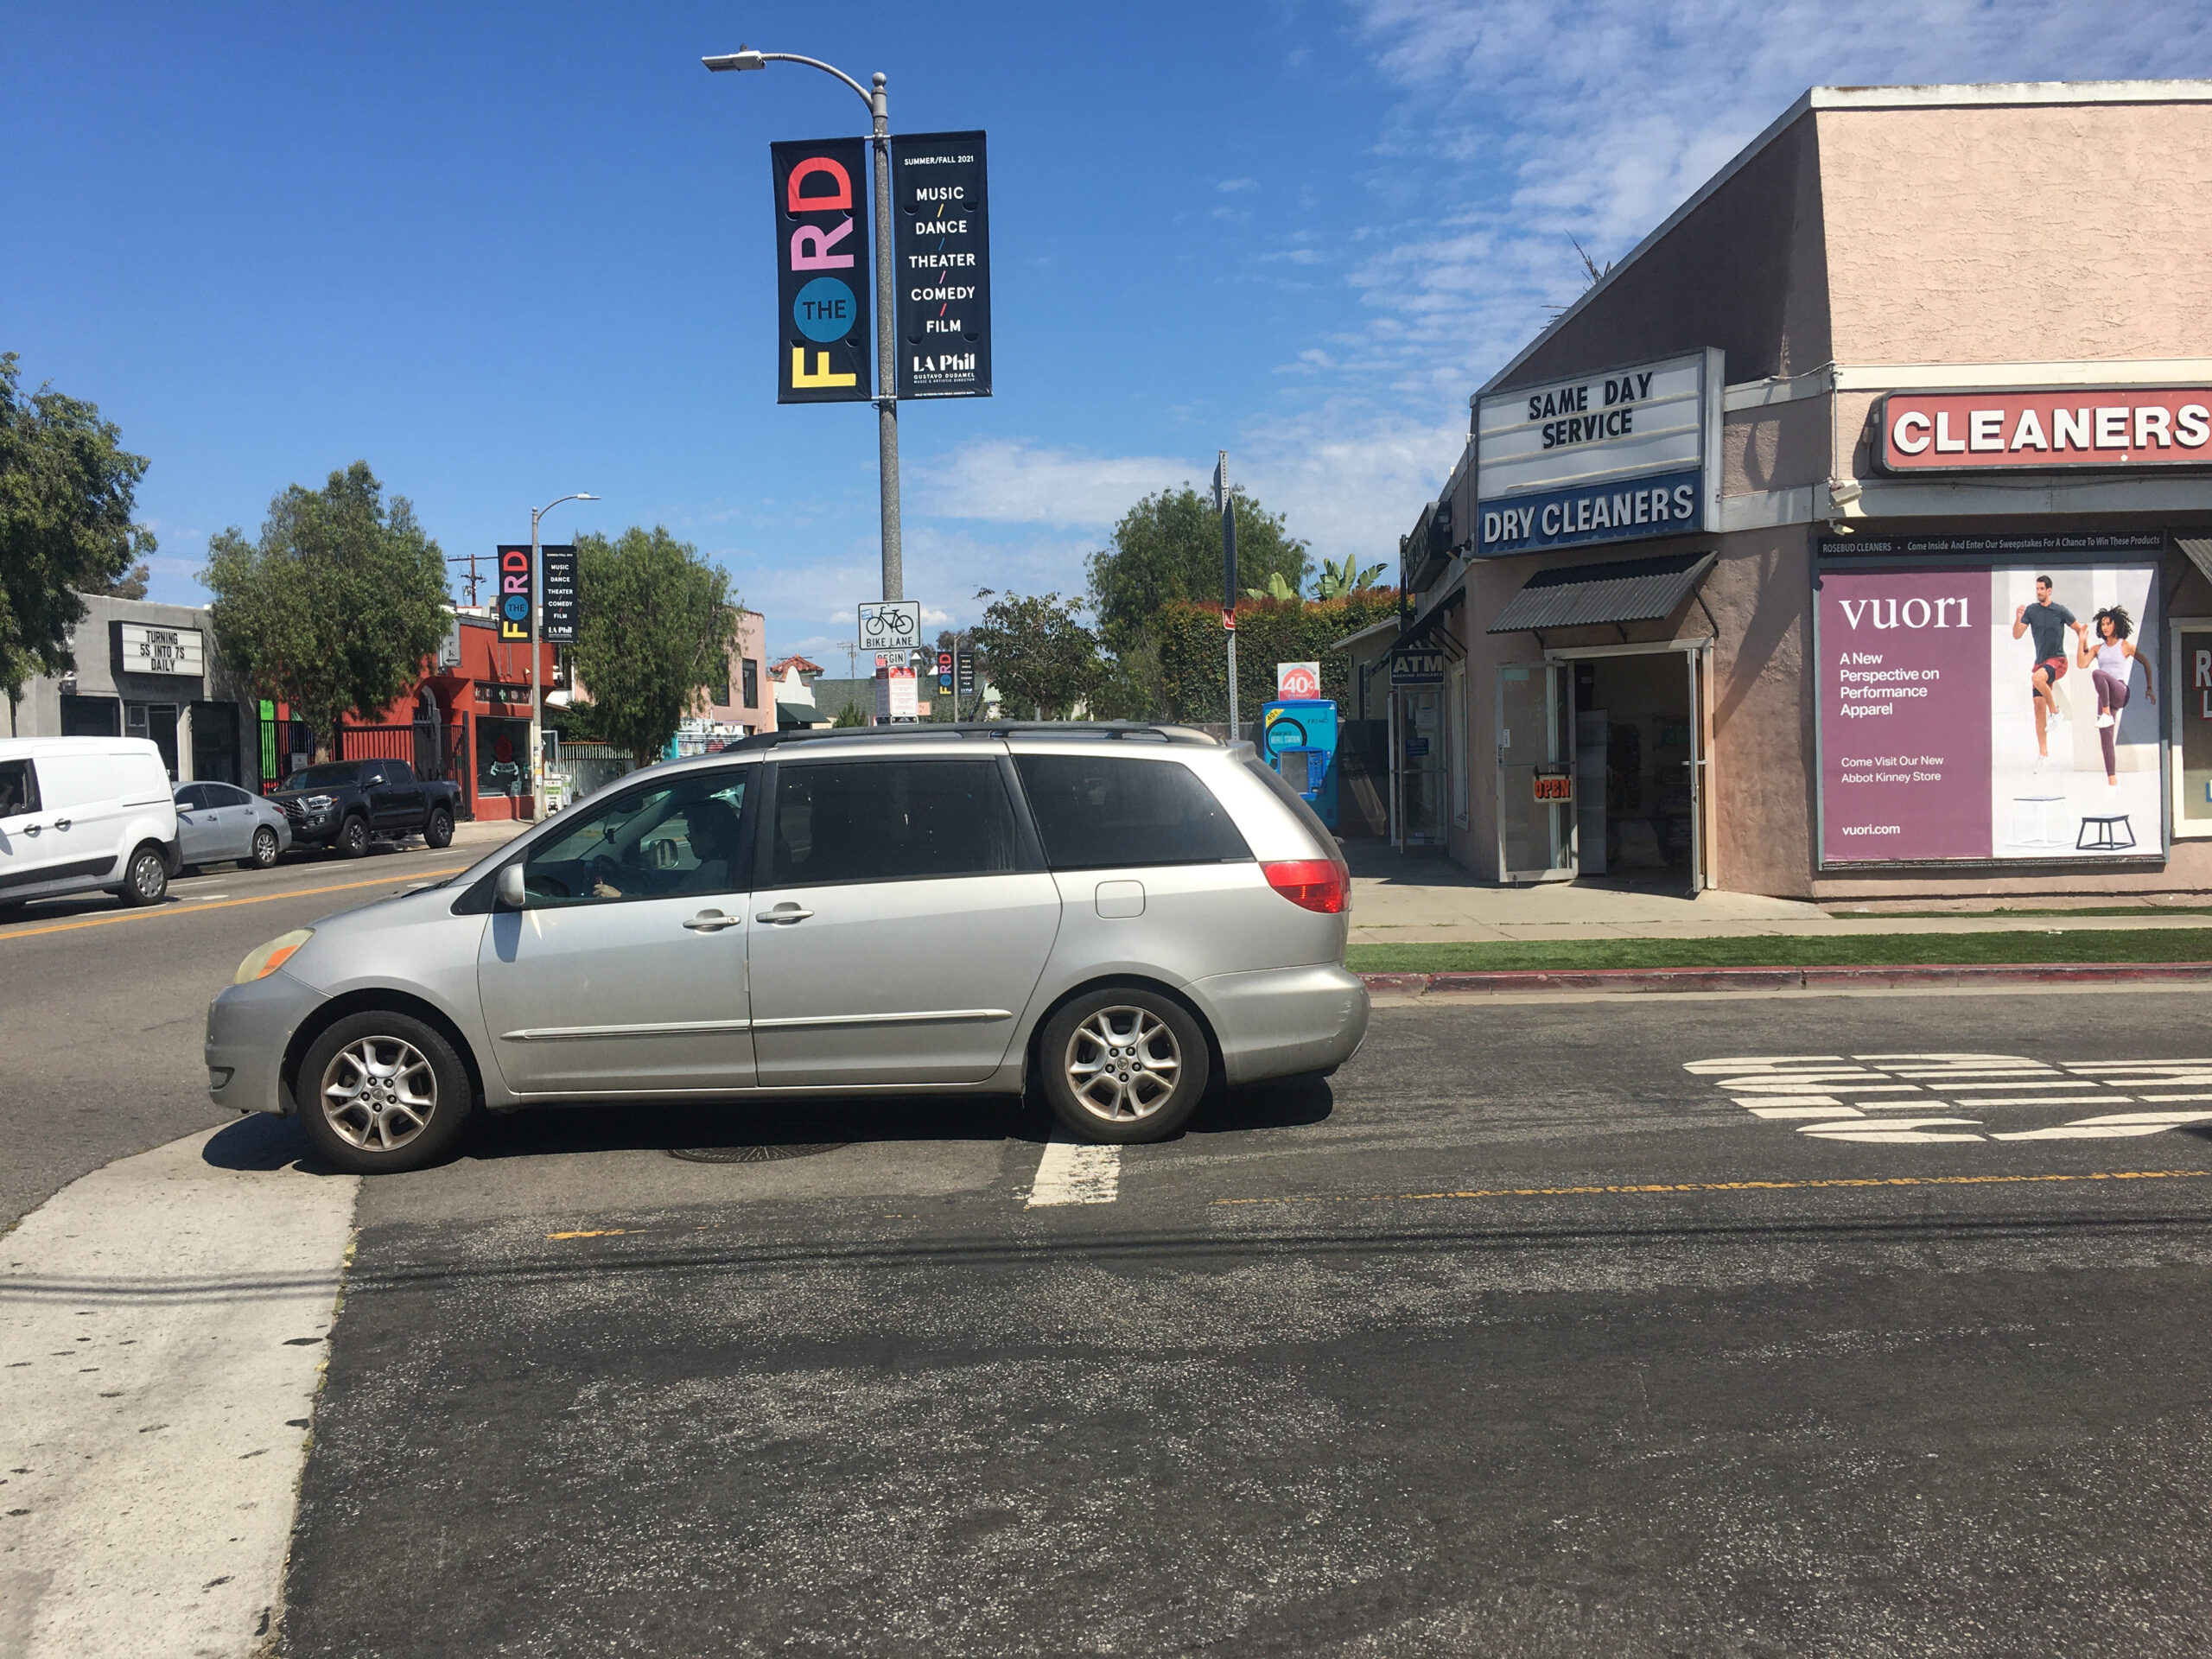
[{"x": 219, "y": 823}]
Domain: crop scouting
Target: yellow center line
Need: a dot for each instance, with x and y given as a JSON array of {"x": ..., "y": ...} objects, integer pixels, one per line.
[
  {"x": 189, "y": 908},
  {"x": 1733, "y": 1187}
]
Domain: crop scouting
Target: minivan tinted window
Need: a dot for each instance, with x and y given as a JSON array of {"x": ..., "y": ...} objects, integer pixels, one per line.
[
  {"x": 891, "y": 821},
  {"x": 18, "y": 788},
  {"x": 1096, "y": 812}
]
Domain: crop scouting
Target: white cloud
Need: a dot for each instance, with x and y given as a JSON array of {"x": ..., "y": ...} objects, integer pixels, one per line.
[
  {"x": 1233, "y": 185},
  {"x": 1014, "y": 482},
  {"x": 1532, "y": 122}
]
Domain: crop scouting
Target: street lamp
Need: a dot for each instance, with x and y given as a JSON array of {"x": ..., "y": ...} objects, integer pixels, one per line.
[
  {"x": 538, "y": 582},
  {"x": 887, "y": 327}
]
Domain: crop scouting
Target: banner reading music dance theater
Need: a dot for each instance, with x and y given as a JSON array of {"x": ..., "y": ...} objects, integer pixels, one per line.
[{"x": 1987, "y": 713}]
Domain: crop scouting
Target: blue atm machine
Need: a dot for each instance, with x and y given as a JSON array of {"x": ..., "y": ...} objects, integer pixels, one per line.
[{"x": 1300, "y": 744}]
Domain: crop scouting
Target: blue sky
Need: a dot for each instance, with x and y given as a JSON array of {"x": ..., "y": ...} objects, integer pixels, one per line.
[{"x": 502, "y": 253}]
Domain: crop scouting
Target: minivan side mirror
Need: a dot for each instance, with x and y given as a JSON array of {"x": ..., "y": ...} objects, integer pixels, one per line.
[{"x": 506, "y": 887}]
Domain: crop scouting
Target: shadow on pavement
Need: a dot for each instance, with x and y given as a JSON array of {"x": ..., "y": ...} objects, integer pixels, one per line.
[
  {"x": 649, "y": 1126},
  {"x": 263, "y": 1141},
  {"x": 1286, "y": 1103}
]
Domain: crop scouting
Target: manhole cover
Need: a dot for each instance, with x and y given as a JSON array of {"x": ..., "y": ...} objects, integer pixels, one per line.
[{"x": 761, "y": 1155}]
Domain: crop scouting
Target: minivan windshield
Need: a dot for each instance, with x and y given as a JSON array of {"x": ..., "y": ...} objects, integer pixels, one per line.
[{"x": 336, "y": 776}]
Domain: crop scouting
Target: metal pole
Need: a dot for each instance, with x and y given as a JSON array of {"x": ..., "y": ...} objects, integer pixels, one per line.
[
  {"x": 536, "y": 758},
  {"x": 1224, "y": 503},
  {"x": 886, "y": 350}
]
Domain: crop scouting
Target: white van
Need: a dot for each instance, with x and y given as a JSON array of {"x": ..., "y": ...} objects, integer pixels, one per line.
[{"x": 79, "y": 813}]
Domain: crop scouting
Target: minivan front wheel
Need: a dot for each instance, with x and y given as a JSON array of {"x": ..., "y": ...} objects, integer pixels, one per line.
[
  {"x": 382, "y": 1092},
  {"x": 1124, "y": 1064}
]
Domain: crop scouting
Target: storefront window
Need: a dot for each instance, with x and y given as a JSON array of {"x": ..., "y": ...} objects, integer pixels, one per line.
[{"x": 502, "y": 759}]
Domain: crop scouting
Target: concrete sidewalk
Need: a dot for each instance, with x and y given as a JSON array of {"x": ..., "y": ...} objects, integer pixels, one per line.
[{"x": 1422, "y": 898}]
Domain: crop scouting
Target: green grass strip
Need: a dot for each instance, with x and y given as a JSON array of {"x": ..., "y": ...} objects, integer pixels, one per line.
[
  {"x": 2028, "y": 946},
  {"x": 2079, "y": 910}
]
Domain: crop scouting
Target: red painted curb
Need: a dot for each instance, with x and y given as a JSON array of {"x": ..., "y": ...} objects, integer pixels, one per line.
[{"x": 1779, "y": 979}]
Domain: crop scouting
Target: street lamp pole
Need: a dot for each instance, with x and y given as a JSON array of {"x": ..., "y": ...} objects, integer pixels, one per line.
[
  {"x": 886, "y": 325},
  {"x": 536, "y": 597}
]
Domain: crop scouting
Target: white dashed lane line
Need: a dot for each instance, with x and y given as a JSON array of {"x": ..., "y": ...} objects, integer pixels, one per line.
[{"x": 1072, "y": 1172}]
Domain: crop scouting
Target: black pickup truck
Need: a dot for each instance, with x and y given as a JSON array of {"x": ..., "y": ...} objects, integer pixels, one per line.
[{"x": 345, "y": 804}]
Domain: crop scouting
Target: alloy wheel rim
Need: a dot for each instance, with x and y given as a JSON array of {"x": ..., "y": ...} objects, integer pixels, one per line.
[
  {"x": 149, "y": 876},
  {"x": 378, "y": 1093},
  {"x": 264, "y": 846},
  {"x": 1123, "y": 1063}
]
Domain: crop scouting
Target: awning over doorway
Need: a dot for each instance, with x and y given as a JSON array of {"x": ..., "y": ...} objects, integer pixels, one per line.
[
  {"x": 1429, "y": 632},
  {"x": 1626, "y": 590},
  {"x": 2198, "y": 549}
]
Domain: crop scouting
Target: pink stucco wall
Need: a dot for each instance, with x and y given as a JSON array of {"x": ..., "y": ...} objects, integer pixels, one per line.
[{"x": 1994, "y": 235}]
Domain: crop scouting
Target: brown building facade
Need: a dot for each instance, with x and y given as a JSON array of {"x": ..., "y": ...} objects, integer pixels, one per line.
[{"x": 1736, "y": 584}]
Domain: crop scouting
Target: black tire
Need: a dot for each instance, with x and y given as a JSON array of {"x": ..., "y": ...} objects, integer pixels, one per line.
[
  {"x": 426, "y": 1069},
  {"x": 264, "y": 848},
  {"x": 1121, "y": 1103},
  {"x": 145, "y": 877},
  {"x": 438, "y": 832},
  {"x": 352, "y": 838}
]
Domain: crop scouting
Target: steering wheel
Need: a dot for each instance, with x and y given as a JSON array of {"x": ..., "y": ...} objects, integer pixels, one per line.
[
  {"x": 550, "y": 884},
  {"x": 600, "y": 867}
]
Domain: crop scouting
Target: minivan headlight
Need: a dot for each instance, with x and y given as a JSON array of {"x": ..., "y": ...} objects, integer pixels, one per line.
[{"x": 272, "y": 956}]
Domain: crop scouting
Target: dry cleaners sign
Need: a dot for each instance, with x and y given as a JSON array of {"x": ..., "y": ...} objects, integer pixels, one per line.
[{"x": 1612, "y": 457}]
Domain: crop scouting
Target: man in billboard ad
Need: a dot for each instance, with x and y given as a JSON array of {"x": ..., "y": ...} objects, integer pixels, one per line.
[{"x": 1960, "y": 711}]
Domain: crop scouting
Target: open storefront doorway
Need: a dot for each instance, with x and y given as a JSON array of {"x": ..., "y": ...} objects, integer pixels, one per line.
[{"x": 1639, "y": 765}]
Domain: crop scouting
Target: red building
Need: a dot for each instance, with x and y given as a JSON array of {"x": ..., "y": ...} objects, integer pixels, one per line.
[{"x": 468, "y": 719}]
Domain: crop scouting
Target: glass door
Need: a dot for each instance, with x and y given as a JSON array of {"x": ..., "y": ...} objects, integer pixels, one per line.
[
  {"x": 1535, "y": 773},
  {"x": 1422, "y": 742}
]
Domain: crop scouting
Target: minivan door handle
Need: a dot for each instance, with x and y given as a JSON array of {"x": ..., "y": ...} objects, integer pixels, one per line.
[
  {"x": 712, "y": 921},
  {"x": 61, "y": 824},
  {"x": 33, "y": 829},
  {"x": 784, "y": 915}
]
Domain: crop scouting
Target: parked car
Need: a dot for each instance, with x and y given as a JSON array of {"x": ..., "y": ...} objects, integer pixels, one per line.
[
  {"x": 84, "y": 814},
  {"x": 346, "y": 804},
  {"x": 219, "y": 824},
  {"x": 1111, "y": 917}
]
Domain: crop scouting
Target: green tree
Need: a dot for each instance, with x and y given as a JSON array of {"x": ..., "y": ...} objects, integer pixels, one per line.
[
  {"x": 1167, "y": 548},
  {"x": 1043, "y": 659},
  {"x": 66, "y": 492},
  {"x": 1337, "y": 581},
  {"x": 652, "y": 632},
  {"x": 334, "y": 607}
]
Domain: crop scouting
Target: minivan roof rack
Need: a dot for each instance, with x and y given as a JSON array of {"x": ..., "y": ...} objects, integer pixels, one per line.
[{"x": 1111, "y": 730}]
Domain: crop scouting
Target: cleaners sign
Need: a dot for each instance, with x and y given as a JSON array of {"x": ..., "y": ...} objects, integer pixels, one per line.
[
  {"x": 824, "y": 344},
  {"x": 1618, "y": 456}
]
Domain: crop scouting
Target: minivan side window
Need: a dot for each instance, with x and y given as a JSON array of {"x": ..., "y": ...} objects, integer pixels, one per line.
[
  {"x": 1098, "y": 812},
  {"x": 681, "y": 839},
  {"x": 891, "y": 821},
  {"x": 18, "y": 788}
]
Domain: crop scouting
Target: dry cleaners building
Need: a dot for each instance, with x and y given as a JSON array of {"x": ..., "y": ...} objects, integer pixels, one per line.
[{"x": 1740, "y": 580}]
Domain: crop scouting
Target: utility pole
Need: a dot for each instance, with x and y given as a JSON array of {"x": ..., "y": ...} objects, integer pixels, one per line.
[
  {"x": 1224, "y": 502},
  {"x": 886, "y": 324},
  {"x": 474, "y": 576}
]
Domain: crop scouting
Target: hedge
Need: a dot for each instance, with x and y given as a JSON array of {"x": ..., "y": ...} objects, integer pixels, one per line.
[{"x": 1193, "y": 660}]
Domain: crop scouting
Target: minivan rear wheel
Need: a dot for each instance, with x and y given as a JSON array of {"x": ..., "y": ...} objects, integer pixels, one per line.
[
  {"x": 379, "y": 1092},
  {"x": 1123, "y": 1064}
]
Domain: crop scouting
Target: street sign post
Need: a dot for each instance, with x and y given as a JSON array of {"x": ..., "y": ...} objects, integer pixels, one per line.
[
  {"x": 940, "y": 231},
  {"x": 1224, "y": 504},
  {"x": 890, "y": 625}
]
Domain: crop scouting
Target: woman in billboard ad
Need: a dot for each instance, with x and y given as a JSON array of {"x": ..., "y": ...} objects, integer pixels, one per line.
[
  {"x": 1959, "y": 712},
  {"x": 2109, "y": 655}
]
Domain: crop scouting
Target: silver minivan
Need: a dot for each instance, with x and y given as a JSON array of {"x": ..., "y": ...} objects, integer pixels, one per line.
[{"x": 1109, "y": 916}]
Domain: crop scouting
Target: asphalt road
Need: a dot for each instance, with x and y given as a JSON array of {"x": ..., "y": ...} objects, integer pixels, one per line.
[
  {"x": 1531, "y": 1333},
  {"x": 105, "y": 1007}
]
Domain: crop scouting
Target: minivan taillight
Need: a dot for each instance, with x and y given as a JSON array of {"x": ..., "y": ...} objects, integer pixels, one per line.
[{"x": 1312, "y": 883}]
